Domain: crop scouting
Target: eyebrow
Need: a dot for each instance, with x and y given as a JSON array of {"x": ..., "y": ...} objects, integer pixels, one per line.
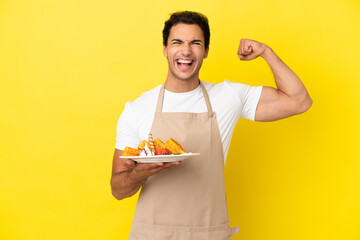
[{"x": 193, "y": 41}]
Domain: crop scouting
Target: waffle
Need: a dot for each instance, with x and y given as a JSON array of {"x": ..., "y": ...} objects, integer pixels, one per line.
[
  {"x": 174, "y": 146},
  {"x": 159, "y": 144},
  {"x": 142, "y": 145},
  {"x": 128, "y": 151}
]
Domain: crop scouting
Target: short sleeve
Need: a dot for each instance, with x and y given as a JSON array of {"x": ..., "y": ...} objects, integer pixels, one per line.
[
  {"x": 126, "y": 135},
  {"x": 249, "y": 97}
]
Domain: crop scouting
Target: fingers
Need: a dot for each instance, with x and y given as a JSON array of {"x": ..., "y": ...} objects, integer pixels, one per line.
[
  {"x": 123, "y": 164},
  {"x": 149, "y": 169},
  {"x": 130, "y": 163},
  {"x": 245, "y": 49},
  {"x": 249, "y": 49},
  {"x": 167, "y": 166}
]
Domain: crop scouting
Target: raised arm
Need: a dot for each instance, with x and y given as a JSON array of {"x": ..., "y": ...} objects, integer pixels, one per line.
[
  {"x": 128, "y": 176},
  {"x": 290, "y": 96}
]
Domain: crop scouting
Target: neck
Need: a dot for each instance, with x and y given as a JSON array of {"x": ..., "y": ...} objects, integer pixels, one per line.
[{"x": 179, "y": 86}]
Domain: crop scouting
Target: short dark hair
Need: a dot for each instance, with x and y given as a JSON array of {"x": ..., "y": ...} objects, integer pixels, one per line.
[{"x": 187, "y": 17}]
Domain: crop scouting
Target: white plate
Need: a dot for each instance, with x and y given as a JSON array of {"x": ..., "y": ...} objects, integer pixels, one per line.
[{"x": 161, "y": 158}]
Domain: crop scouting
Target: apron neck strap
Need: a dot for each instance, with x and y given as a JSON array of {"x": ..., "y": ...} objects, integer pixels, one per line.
[{"x": 161, "y": 98}]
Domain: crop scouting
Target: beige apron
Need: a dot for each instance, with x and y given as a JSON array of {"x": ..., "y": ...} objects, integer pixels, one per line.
[{"x": 187, "y": 201}]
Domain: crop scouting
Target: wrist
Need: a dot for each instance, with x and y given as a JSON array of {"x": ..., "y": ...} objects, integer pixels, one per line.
[
  {"x": 268, "y": 54},
  {"x": 135, "y": 178}
]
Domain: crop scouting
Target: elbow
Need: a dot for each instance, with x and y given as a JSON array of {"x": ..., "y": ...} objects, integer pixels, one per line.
[
  {"x": 309, "y": 104},
  {"x": 304, "y": 105},
  {"x": 115, "y": 191},
  {"x": 117, "y": 195}
]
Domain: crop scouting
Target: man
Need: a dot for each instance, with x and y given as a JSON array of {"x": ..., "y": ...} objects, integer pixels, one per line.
[{"x": 186, "y": 200}]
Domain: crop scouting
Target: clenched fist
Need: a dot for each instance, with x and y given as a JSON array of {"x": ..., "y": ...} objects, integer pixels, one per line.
[{"x": 250, "y": 49}]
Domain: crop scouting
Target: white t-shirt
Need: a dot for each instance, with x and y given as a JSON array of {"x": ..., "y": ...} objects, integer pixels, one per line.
[{"x": 230, "y": 101}]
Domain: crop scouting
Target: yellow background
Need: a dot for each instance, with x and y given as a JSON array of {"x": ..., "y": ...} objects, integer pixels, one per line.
[{"x": 67, "y": 67}]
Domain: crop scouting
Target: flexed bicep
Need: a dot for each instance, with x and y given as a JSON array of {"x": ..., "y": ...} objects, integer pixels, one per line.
[{"x": 275, "y": 105}]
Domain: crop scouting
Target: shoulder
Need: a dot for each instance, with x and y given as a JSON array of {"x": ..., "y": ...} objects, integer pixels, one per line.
[
  {"x": 134, "y": 120},
  {"x": 235, "y": 95},
  {"x": 240, "y": 90},
  {"x": 230, "y": 89},
  {"x": 142, "y": 107},
  {"x": 145, "y": 101}
]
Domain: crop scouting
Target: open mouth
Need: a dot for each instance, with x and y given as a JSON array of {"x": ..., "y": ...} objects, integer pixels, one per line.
[{"x": 184, "y": 63}]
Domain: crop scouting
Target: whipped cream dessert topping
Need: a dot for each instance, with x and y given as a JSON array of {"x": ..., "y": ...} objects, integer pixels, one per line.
[{"x": 146, "y": 152}]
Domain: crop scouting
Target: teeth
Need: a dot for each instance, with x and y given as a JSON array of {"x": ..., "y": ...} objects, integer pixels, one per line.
[{"x": 184, "y": 61}]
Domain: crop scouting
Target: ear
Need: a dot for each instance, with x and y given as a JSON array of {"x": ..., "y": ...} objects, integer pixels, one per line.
[
  {"x": 164, "y": 50},
  {"x": 206, "y": 52}
]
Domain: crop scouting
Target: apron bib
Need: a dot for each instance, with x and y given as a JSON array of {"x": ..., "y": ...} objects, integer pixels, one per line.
[{"x": 187, "y": 201}]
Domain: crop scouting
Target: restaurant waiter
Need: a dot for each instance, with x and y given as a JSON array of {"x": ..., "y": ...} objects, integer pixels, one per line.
[{"x": 187, "y": 200}]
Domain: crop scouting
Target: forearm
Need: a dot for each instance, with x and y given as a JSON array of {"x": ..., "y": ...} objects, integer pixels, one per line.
[
  {"x": 123, "y": 184},
  {"x": 286, "y": 80},
  {"x": 128, "y": 176}
]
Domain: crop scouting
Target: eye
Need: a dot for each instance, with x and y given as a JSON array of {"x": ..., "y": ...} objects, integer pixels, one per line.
[{"x": 196, "y": 43}]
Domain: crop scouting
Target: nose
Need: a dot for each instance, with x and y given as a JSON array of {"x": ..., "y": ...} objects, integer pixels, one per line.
[{"x": 186, "y": 49}]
